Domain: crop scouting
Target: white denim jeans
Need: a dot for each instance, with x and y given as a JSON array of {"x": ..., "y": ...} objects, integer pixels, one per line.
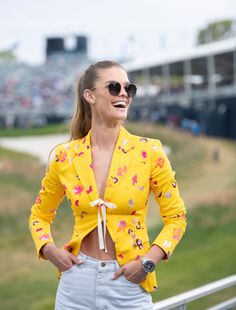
[{"x": 89, "y": 287}]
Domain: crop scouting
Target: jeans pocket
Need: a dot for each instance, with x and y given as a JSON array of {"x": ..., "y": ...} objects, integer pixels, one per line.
[
  {"x": 129, "y": 282},
  {"x": 68, "y": 270}
]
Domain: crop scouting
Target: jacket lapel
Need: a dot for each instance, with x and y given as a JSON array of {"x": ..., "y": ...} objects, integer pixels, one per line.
[
  {"x": 82, "y": 163},
  {"x": 122, "y": 156}
]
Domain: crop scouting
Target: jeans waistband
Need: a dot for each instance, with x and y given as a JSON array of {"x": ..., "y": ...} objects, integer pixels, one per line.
[{"x": 93, "y": 262}]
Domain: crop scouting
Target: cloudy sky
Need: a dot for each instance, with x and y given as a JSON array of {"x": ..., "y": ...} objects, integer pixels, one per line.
[{"x": 116, "y": 28}]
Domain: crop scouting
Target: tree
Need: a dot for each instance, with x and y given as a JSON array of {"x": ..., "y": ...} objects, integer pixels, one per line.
[{"x": 216, "y": 31}]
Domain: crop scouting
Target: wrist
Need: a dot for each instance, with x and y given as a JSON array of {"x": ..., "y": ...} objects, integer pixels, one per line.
[{"x": 47, "y": 247}]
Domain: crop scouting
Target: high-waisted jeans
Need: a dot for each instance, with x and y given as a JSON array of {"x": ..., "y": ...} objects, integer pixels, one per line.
[{"x": 89, "y": 287}]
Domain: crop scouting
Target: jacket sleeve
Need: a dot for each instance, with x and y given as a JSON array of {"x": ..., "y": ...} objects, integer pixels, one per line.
[
  {"x": 165, "y": 189},
  {"x": 44, "y": 209}
]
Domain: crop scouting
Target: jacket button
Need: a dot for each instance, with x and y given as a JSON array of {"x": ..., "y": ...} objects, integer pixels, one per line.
[{"x": 103, "y": 264}]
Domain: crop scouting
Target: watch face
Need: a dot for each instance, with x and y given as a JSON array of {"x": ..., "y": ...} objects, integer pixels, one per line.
[{"x": 148, "y": 266}]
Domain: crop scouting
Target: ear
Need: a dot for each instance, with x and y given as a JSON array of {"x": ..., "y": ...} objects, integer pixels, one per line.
[{"x": 88, "y": 96}]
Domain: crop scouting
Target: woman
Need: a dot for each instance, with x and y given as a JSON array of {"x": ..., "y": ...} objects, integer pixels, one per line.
[{"x": 107, "y": 174}]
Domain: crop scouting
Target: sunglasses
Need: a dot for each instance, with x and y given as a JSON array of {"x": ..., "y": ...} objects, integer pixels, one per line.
[{"x": 114, "y": 89}]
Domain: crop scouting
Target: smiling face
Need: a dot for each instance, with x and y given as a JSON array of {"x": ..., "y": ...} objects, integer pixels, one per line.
[{"x": 106, "y": 107}]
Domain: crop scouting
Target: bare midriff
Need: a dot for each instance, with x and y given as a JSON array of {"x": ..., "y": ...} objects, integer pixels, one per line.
[{"x": 90, "y": 246}]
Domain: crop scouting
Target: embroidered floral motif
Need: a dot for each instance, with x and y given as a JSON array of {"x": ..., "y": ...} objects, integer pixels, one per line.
[
  {"x": 167, "y": 244},
  {"x": 77, "y": 203},
  {"x": 160, "y": 162},
  {"x": 44, "y": 237},
  {"x": 167, "y": 195},
  {"x": 121, "y": 256},
  {"x": 121, "y": 226},
  {"x": 176, "y": 233},
  {"x": 61, "y": 157},
  {"x": 78, "y": 190},
  {"x": 131, "y": 203},
  {"x": 134, "y": 179},
  {"x": 38, "y": 199},
  {"x": 144, "y": 154},
  {"x": 89, "y": 190},
  {"x": 115, "y": 180},
  {"x": 139, "y": 243},
  {"x": 82, "y": 214},
  {"x": 121, "y": 171},
  {"x": 145, "y": 140}
]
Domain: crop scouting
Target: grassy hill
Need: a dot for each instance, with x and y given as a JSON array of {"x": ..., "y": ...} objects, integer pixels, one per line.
[{"x": 206, "y": 253}]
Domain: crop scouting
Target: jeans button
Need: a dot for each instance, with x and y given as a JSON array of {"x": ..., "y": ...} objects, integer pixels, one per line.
[{"x": 103, "y": 264}]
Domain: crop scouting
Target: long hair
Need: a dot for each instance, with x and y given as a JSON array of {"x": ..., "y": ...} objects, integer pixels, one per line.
[{"x": 81, "y": 120}]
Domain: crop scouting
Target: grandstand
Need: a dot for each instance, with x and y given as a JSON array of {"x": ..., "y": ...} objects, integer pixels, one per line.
[
  {"x": 195, "y": 90},
  {"x": 35, "y": 95},
  {"x": 194, "y": 87}
]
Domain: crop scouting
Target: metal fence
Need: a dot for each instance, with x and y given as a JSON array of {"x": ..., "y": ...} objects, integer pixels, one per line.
[{"x": 180, "y": 301}]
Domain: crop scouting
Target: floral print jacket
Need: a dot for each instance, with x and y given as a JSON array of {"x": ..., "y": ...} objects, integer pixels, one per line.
[{"x": 138, "y": 165}]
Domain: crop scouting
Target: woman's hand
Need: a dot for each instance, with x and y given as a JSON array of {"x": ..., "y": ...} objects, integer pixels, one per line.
[
  {"x": 133, "y": 272},
  {"x": 61, "y": 258}
]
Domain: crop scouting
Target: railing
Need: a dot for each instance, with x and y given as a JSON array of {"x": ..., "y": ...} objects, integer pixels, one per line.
[{"x": 180, "y": 301}]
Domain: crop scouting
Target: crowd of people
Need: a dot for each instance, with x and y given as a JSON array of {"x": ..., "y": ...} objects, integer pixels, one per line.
[{"x": 46, "y": 87}]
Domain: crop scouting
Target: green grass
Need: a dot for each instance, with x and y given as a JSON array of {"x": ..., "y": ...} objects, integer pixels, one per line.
[
  {"x": 206, "y": 253},
  {"x": 35, "y": 131}
]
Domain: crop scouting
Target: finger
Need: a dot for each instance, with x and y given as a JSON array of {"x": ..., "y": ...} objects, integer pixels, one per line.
[
  {"x": 76, "y": 260},
  {"x": 118, "y": 273}
]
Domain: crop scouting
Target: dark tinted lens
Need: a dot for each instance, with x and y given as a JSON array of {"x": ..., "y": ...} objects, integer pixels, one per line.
[
  {"x": 114, "y": 88},
  {"x": 131, "y": 90}
]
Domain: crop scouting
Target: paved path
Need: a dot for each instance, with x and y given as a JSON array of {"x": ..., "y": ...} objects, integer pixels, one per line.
[{"x": 39, "y": 146}]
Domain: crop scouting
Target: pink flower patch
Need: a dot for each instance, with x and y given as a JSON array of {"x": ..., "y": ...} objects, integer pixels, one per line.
[
  {"x": 121, "y": 256},
  {"x": 38, "y": 199},
  {"x": 38, "y": 229},
  {"x": 176, "y": 234},
  {"x": 144, "y": 154},
  {"x": 89, "y": 190},
  {"x": 121, "y": 226},
  {"x": 78, "y": 190},
  {"x": 44, "y": 237},
  {"x": 134, "y": 179},
  {"x": 80, "y": 153}
]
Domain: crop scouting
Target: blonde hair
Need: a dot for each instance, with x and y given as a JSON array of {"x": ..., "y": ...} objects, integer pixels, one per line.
[{"x": 81, "y": 120}]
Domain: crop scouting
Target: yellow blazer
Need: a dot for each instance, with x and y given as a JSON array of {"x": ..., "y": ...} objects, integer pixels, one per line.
[{"x": 138, "y": 165}]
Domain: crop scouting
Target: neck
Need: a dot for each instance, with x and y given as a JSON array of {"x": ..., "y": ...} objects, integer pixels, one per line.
[{"x": 103, "y": 136}]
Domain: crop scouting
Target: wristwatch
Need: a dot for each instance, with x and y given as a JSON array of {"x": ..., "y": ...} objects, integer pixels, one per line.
[{"x": 147, "y": 264}]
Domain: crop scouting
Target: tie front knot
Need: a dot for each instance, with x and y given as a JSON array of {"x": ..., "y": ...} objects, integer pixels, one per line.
[{"x": 101, "y": 204}]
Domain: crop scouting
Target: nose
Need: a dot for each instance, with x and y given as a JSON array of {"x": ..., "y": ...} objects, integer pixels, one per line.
[{"x": 123, "y": 92}]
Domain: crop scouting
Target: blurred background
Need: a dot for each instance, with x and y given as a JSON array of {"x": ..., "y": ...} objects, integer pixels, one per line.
[{"x": 182, "y": 56}]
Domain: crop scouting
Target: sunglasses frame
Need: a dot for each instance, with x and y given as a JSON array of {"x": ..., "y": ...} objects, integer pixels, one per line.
[{"x": 114, "y": 89}]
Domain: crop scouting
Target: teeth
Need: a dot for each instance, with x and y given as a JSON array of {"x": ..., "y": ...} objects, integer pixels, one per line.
[{"x": 120, "y": 104}]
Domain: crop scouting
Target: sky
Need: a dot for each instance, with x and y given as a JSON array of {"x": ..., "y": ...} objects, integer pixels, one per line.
[{"x": 116, "y": 28}]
